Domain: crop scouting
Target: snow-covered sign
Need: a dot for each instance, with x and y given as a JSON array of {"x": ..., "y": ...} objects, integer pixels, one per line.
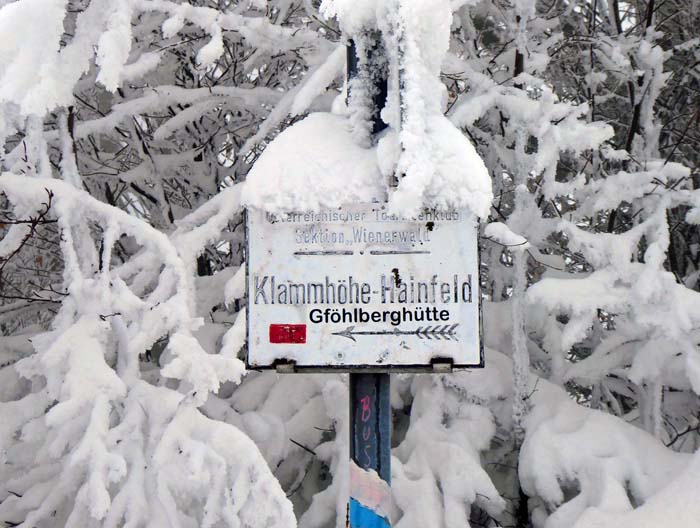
[{"x": 356, "y": 287}]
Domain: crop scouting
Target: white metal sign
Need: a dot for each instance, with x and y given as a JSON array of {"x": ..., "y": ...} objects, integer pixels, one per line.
[{"x": 356, "y": 287}]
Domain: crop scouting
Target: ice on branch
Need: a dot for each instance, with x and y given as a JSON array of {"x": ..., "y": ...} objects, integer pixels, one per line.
[
  {"x": 501, "y": 234},
  {"x": 35, "y": 33}
]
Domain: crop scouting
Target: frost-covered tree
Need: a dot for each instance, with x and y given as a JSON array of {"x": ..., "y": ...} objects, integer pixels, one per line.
[
  {"x": 118, "y": 144},
  {"x": 589, "y": 200},
  {"x": 127, "y": 131}
]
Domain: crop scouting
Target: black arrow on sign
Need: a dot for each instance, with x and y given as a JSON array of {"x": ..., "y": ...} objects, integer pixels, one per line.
[{"x": 447, "y": 332}]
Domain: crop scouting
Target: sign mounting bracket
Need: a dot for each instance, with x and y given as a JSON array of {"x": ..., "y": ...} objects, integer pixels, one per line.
[
  {"x": 442, "y": 365},
  {"x": 285, "y": 366}
]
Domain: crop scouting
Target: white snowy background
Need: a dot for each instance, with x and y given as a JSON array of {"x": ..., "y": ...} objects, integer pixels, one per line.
[{"x": 133, "y": 133}]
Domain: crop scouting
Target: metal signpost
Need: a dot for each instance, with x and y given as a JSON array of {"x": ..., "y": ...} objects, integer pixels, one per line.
[{"x": 359, "y": 290}]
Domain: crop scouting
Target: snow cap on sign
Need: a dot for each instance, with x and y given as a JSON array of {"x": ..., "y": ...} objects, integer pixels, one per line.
[
  {"x": 313, "y": 164},
  {"x": 317, "y": 162},
  {"x": 444, "y": 171},
  {"x": 438, "y": 165}
]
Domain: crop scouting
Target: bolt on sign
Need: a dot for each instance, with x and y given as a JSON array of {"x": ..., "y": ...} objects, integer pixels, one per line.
[{"x": 357, "y": 287}]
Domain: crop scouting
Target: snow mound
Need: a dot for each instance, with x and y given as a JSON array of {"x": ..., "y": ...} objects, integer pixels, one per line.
[
  {"x": 435, "y": 163},
  {"x": 443, "y": 171},
  {"x": 313, "y": 164}
]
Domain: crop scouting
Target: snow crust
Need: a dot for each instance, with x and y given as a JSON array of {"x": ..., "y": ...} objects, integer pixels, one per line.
[
  {"x": 437, "y": 164},
  {"x": 451, "y": 172},
  {"x": 353, "y": 15}
]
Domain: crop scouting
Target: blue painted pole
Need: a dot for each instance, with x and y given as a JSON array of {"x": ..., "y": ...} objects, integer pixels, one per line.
[
  {"x": 370, "y": 451},
  {"x": 370, "y": 408}
]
